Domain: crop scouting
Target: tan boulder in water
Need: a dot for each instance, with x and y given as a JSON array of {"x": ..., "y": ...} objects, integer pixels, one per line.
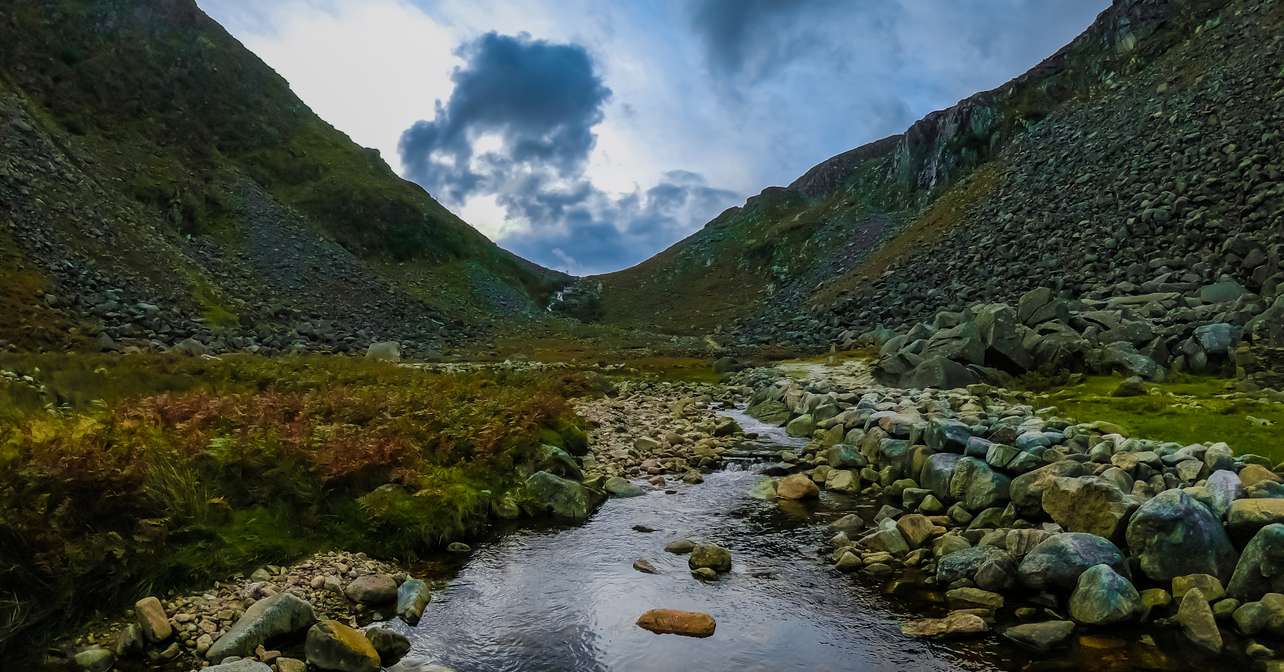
[
  {"x": 797, "y": 486},
  {"x": 675, "y": 622}
]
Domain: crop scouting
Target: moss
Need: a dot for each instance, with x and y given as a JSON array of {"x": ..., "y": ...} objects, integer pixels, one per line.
[{"x": 1187, "y": 410}]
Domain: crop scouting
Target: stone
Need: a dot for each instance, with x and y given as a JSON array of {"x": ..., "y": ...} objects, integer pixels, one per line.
[
  {"x": 680, "y": 546},
  {"x": 95, "y": 659},
  {"x": 413, "y": 597},
  {"x": 372, "y": 590},
  {"x": 841, "y": 480},
  {"x": 1154, "y": 598},
  {"x": 1057, "y": 562},
  {"x": 1198, "y": 623},
  {"x": 1172, "y": 535},
  {"x": 976, "y": 486},
  {"x": 957, "y": 624},
  {"x": 843, "y": 456},
  {"x": 152, "y": 620},
  {"x": 1246, "y": 516},
  {"x": 1086, "y": 504},
  {"x": 547, "y": 494},
  {"x": 645, "y": 566},
  {"x": 797, "y": 486},
  {"x": 291, "y": 665},
  {"x": 271, "y": 617},
  {"x": 1026, "y": 490},
  {"x": 1103, "y": 597},
  {"x": 242, "y": 665},
  {"x": 770, "y": 412},
  {"x": 915, "y": 528},
  {"x": 936, "y": 473},
  {"x": 1210, "y": 586},
  {"x": 1252, "y": 474},
  {"x": 712, "y": 556},
  {"x": 963, "y": 563},
  {"x": 390, "y": 645},
  {"x": 675, "y": 622},
  {"x": 968, "y": 598},
  {"x": 1040, "y": 637},
  {"x": 1260, "y": 569},
  {"x": 384, "y": 351},
  {"x": 801, "y": 426},
  {"x": 332, "y": 645}
]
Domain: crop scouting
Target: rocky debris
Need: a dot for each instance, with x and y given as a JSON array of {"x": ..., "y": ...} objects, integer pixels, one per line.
[
  {"x": 653, "y": 428},
  {"x": 675, "y": 622}
]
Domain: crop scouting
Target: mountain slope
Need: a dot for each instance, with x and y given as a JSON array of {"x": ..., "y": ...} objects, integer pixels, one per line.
[
  {"x": 158, "y": 181},
  {"x": 990, "y": 197}
]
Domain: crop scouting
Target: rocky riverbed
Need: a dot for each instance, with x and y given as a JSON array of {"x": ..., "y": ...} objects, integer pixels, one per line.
[{"x": 985, "y": 519}]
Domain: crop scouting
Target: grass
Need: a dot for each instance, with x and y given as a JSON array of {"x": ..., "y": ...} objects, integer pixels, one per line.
[
  {"x": 1187, "y": 410},
  {"x": 140, "y": 474}
]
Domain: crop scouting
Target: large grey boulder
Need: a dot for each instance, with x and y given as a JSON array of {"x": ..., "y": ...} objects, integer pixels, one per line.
[
  {"x": 1001, "y": 332},
  {"x": 1040, "y": 305},
  {"x": 1172, "y": 535},
  {"x": 1102, "y": 597},
  {"x": 940, "y": 373},
  {"x": 1057, "y": 562},
  {"x": 1124, "y": 356},
  {"x": 271, "y": 617},
  {"x": 1260, "y": 569}
]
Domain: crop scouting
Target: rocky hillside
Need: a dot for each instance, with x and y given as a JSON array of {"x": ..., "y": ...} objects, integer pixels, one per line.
[
  {"x": 159, "y": 183},
  {"x": 1144, "y": 155}
]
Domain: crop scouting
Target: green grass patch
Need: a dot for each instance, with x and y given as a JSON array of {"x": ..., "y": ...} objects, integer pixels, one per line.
[{"x": 1187, "y": 410}]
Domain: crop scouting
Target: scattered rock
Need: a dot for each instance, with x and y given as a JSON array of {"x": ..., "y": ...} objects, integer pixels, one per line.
[{"x": 675, "y": 622}]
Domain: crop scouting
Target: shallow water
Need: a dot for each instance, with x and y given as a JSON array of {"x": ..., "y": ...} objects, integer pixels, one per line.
[{"x": 567, "y": 598}]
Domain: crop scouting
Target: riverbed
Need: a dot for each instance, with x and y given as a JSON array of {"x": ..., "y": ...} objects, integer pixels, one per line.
[{"x": 567, "y": 598}]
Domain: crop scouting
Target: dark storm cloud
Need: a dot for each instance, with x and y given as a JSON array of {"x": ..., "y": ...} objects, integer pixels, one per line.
[
  {"x": 542, "y": 101},
  {"x": 751, "y": 39}
]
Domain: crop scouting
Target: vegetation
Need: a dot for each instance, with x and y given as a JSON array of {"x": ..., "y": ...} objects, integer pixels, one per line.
[
  {"x": 1186, "y": 410},
  {"x": 123, "y": 476}
]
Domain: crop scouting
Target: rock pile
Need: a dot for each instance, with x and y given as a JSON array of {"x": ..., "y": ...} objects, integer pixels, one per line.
[
  {"x": 1145, "y": 335},
  {"x": 320, "y": 602},
  {"x": 1038, "y": 525}
]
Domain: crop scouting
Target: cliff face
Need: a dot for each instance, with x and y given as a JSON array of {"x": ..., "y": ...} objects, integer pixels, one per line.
[
  {"x": 150, "y": 160},
  {"x": 779, "y": 268}
]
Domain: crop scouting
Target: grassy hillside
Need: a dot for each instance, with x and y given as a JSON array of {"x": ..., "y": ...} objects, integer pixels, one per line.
[{"x": 197, "y": 161}]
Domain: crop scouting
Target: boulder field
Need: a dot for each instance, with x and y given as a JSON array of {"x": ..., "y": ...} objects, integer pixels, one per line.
[{"x": 1036, "y": 526}]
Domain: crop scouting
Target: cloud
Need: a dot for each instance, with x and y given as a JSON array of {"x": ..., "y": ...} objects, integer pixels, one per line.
[
  {"x": 751, "y": 39},
  {"x": 541, "y": 99},
  {"x": 519, "y": 128}
]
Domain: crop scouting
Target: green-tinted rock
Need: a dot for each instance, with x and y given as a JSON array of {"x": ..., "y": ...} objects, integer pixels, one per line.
[
  {"x": 1103, "y": 597},
  {"x": 271, "y": 617},
  {"x": 1198, "y": 623},
  {"x": 801, "y": 426},
  {"x": 1173, "y": 535},
  {"x": 711, "y": 556},
  {"x": 547, "y": 494}
]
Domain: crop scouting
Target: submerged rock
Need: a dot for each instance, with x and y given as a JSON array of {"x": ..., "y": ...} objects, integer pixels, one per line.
[
  {"x": 957, "y": 624},
  {"x": 1040, "y": 637},
  {"x": 711, "y": 556},
  {"x": 797, "y": 486}
]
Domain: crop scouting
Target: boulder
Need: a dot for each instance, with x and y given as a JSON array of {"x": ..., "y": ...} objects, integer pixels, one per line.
[
  {"x": 1173, "y": 535},
  {"x": 332, "y": 645},
  {"x": 622, "y": 487},
  {"x": 1057, "y": 562},
  {"x": 771, "y": 412},
  {"x": 372, "y": 590},
  {"x": 915, "y": 528},
  {"x": 242, "y": 665},
  {"x": 797, "y": 486},
  {"x": 412, "y": 598},
  {"x": 938, "y": 470},
  {"x": 391, "y": 646},
  {"x": 843, "y": 480},
  {"x": 547, "y": 494},
  {"x": 1027, "y": 489},
  {"x": 1040, "y": 637},
  {"x": 1246, "y": 516},
  {"x": 1086, "y": 504},
  {"x": 675, "y": 622},
  {"x": 712, "y": 556},
  {"x": 963, "y": 563},
  {"x": 1102, "y": 597},
  {"x": 384, "y": 351},
  {"x": 271, "y": 617},
  {"x": 976, "y": 486},
  {"x": 801, "y": 426},
  {"x": 940, "y": 373},
  {"x": 1197, "y": 622},
  {"x": 95, "y": 659},
  {"x": 957, "y": 624},
  {"x": 1260, "y": 569},
  {"x": 152, "y": 620},
  {"x": 844, "y": 456}
]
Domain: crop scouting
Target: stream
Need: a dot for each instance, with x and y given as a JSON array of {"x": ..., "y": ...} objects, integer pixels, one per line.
[{"x": 567, "y": 598}]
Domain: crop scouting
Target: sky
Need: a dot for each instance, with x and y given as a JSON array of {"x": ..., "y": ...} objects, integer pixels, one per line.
[{"x": 587, "y": 135}]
